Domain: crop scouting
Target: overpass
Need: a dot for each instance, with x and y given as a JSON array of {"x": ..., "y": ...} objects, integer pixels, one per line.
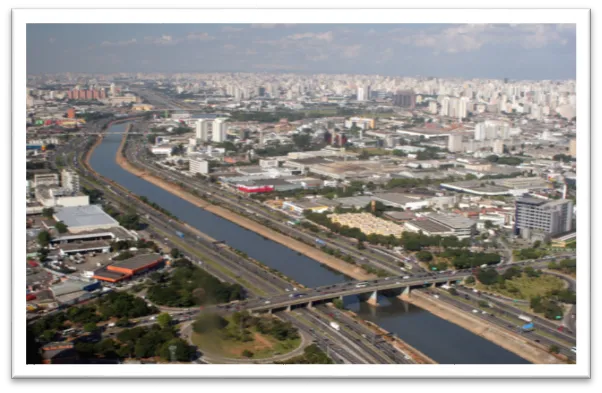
[{"x": 366, "y": 290}]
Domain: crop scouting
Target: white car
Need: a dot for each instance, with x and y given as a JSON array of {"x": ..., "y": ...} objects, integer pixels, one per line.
[
  {"x": 267, "y": 302},
  {"x": 475, "y": 311}
]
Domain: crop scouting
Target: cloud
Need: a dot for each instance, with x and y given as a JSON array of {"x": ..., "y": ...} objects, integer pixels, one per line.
[
  {"x": 351, "y": 51},
  {"x": 119, "y": 43},
  {"x": 199, "y": 37},
  {"x": 231, "y": 29},
  {"x": 472, "y": 37},
  {"x": 326, "y": 36}
]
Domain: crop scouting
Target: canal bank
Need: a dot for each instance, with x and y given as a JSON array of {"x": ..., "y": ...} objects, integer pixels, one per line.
[{"x": 439, "y": 339}]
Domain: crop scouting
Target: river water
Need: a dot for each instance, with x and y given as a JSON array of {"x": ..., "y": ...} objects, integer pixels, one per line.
[{"x": 443, "y": 341}]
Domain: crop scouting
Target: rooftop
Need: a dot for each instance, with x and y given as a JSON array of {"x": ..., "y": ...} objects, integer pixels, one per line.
[
  {"x": 138, "y": 261},
  {"x": 82, "y": 216},
  {"x": 451, "y": 220}
]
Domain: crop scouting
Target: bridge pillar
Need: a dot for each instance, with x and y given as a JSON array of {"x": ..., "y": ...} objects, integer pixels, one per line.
[
  {"x": 288, "y": 308},
  {"x": 270, "y": 311},
  {"x": 310, "y": 305},
  {"x": 373, "y": 299},
  {"x": 405, "y": 294}
]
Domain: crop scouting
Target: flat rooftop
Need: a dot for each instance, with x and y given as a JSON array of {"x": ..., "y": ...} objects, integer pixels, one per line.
[
  {"x": 430, "y": 226},
  {"x": 138, "y": 261},
  {"x": 103, "y": 272},
  {"x": 91, "y": 245},
  {"x": 395, "y": 197},
  {"x": 83, "y": 216},
  {"x": 451, "y": 220}
]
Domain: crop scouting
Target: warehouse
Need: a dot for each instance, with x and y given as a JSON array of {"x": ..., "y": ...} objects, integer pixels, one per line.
[
  {"x": 127, "y": 268},
  {"x": 85, "y": 218},
  {"x": 443, "y": 225}
]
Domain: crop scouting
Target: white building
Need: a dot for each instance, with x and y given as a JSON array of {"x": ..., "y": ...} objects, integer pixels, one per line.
[
  {"x": 433, "y": 107},
  {"x": 219, "y": 130},
  {"x": 70, "y": 180},
  {"x": 202, "y": 130},
  {"x": 198, "y": 165},
  {"x": 454, "y": 143}
]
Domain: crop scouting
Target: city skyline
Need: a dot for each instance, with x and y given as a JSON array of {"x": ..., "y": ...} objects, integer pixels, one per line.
[{"x": 536, "y": 52}]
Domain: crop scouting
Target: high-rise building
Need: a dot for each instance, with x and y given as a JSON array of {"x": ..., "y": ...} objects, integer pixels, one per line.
[
  {"x": 573, "y": 147},
  {"x": 197, "y": 164},
  {"x": 433, "y": 107},
  {"x": 498, "y": 146},
  {"x": 445, "y": 106},
  {"x": 491, "y": 129},
  {"x": 70, "y": 180},
  {"x": 540, "y": 216},
  {"x": 405, "y": 99},
  {"x": 219, "y": 130},
  {"x": 363, "y": 93},
  {"x": 202, "y": 130},
  {"x": 454, "y": 143}
]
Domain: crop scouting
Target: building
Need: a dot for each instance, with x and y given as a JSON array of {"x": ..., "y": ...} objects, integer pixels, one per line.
[
  {"x": 202, "y": 129},
  {"x": 70, "y": 180},
  {"x": 498, "y": 147},
  {"x": 300, "y": 206},
  {"x": 363, "y": 93},
  {"x": 360, "y": 122},
  {"x": 563, "y": 241},
  {"x": 71, "y": 113},
  {"x": 534, "y": 216},
  {"x": 198, "y": 164},
  {"x": 127, "y": 268},
  {"x": 454, "y": 143},
  {"x": 405, "y": 99},
  {"x": 85, "y": 218},
  {"x": 367, "y": 223},
  {"x": 433, "y": 107},
  {"x": 491, "y": 129},
  {"x": 573, "y": 148},
  {"x": 47, "y": 179},
  {"x": 142, "y": 107},
  {"x": 219, "y": 130},
  {"x": 443, "y": 225}
]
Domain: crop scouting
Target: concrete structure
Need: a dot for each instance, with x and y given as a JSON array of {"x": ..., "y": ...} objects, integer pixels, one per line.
[
  {"x": 125, "y": 269},
  {"x": 533, "y": 215},
  {"x": 367, "y": 223},
  {"x": 50, "y": 180},
  {"x": 70, "y": 180},
  {"x": 454, "y": 143},
  {"x": 300, "y": 206},
  {"x": 403, "y": 201},
  {"x": 219, "y": 130},
  {"x": 202, "y": 129},
  {"x": 85, "y": 218},
  {"x": 405, "y": 99},
  {"x": 198, "y": 164},
  {"x": 491, "y": 129},
  {"x": 573, "y": 148},
  {"x": 363, "y": 123},
  {"x": 443, "y": 225}
]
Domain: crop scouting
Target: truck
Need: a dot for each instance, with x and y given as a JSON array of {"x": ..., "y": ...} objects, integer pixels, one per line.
[
  {"x": 320, "y": 242},
  {"x": 180, "y": 234},
  {"x": 335, "y": 326},
  {"x": 525, "y": 318},
  {"x": 528, "y": 327}
]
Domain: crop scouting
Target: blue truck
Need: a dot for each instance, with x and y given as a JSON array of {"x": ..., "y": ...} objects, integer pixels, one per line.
[
  {"x": 528, "y": 327},
  {"x": 321, "y": 242},
  {"x": 180, "y": 234}
]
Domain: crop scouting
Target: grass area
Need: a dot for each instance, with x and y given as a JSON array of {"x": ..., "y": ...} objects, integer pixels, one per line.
[
  {"x": 262, "y": 346},
  {"x": 214, "y": 265},
  {"x": 525, "y": 287}
]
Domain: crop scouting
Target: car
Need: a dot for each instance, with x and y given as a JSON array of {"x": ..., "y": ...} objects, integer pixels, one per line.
[
  {"x": 405, "y": 277},
  {"x": 397, "y": 282},
  {"x": 475, "y": 311},
  {"x": 574, "y": 349},
  {"x": 436, "y": 296},
  {"x": 288, "y": 290}
]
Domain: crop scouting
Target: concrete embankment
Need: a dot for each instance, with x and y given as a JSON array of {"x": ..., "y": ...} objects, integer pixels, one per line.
[
  {"x": 512, "y": 342},
  {"x": 307, "y": 250}
]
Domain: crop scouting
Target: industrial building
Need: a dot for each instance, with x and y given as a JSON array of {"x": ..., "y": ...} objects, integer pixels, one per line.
[
  {"x": 534, "y": 216},
  {"x": 125, "y": 269},
  {"x": 367, "y": 223},
  {"x": 85, "y": 218},
  {"x": 443, "y": 225}
]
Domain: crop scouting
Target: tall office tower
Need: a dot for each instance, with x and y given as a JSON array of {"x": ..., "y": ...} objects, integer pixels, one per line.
[
  {"x": 454, "y": 143},
  {"x": 498, "y": 147},
  {"x": 573, "y": 147},
  {"x": 70, "y": 180},
  {"x": 445, "y": 106},
  {"x": 405, "y": 99},
  {"x": 433, "y": 107},
  {"x": 202, "y": 130},
  {"x": 462, "y": 108},
  {"x": 534, "y": 215},
  {"x": 219, "y": 130},
  {"x": 112, "y": 90},
  {"x": 361, "y": 94},
  {"x": 454, "y": 107}
]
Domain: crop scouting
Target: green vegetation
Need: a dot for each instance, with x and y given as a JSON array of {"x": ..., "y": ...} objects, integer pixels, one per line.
[
  {"x": 513, "y": 161},
  {"x": 549, "y": 308},
  {"x": 338, "y": 303},
  {"x": 143, "y": 342},
  {"x": 424, "y": 256},
  {"x": 156, "y": 207},
  {"x": 94, "y": 194},
  {"x": 567, "y": 266},
  {"x": 243, "y": 335},
  {"x": 464, "y": 259},
  {"x": 188, "y": 285},
  {"x": 44, "y": 238},
  {"x": 312, "y": 354},
  {"x": 61, "y": 227},
  {"x": 529, "y": 253},
  {"x": 47, "y": 212}
]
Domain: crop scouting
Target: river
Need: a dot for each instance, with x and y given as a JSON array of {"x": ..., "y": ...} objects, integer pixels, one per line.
[{"x": 442, "y": 341}]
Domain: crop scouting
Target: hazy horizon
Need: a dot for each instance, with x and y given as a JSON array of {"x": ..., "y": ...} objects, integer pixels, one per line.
[{"x": 480, "y": 51}]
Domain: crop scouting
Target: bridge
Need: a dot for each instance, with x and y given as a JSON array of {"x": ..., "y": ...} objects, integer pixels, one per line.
[{"x": 366, "y": 290}]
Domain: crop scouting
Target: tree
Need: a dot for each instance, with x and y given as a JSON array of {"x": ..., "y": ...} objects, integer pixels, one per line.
[
  {"x": 338, "y": 303},
  {"x": 488, "y": 224},
  {"x": 424, "y": 256},
  {"x": 48, "y": 212},
  {"x": 208, "y": 322},
  {"x": 302, "y": 141},
  {"x": 182, "y": 352},
  {"x": 90, "y": 327},
  {"x": 164, "y": 320},
  {"x": 123, "y": 322},
  {"x": 175, "y": 253},
  {"x": 470, "y": 280},
  {"x": 554, "y": 349},
  {"x": 537, "y": 244},
  {"x": 488, "y": 276},
  {"x": 48, "y": 335},
  {"x": 61, "y": 227},
  {"x": 246, "y": 353},
  {"x": 44, "y": 238}
]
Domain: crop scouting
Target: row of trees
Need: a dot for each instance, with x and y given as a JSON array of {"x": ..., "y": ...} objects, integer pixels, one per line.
[
  {"x": 568, "y": 266},
  {"x": 312, "y": 354},
  {"x": 188, "y": 285}
]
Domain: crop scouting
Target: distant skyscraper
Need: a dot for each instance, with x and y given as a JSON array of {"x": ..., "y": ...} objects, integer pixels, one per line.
[
  {"x": 445, "y": 106},
  {"x": 433, "y": 107},
  {"x": 405, "y": 99},
  {"x": 363, "y": 93},
  {"x": 498, "y": 147},
  {"x": 454, "y": 143},
  {"x": 202, "y": 130},
  {"x": 219, "y": 130},
  {"x": 573, "y": 148}
]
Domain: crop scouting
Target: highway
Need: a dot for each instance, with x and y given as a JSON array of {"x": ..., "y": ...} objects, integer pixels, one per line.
[
  {"x": 505, "y": 320},
  {"x": 269, "y": 283}
]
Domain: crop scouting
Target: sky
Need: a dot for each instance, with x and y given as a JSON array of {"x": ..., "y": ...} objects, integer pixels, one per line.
[{"x": 515, "y": 51}]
